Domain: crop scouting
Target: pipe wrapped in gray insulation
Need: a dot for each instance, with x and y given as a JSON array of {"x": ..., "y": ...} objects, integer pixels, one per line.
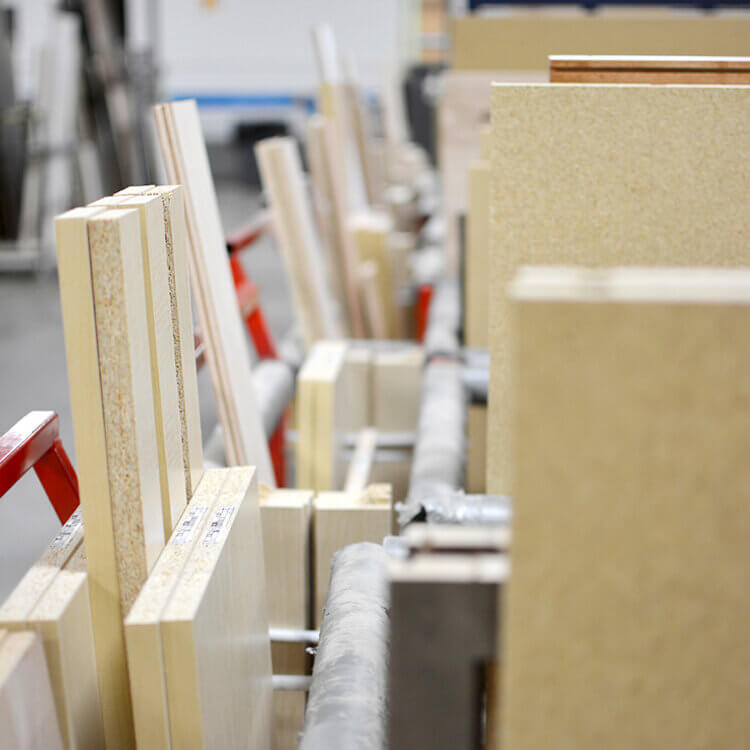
[
  {"x": 444, "y": 322},
  {"x": 274, "y": 387},
  {"x": 439, "y": 452},
  {"x": 347, "y": 708}
]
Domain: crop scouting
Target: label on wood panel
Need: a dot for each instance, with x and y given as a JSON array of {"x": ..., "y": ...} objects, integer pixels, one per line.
[
  {"x": 213, "y": 535},
  {"x": 186, "y": 529},
  {"x": 67, "y": 532}
]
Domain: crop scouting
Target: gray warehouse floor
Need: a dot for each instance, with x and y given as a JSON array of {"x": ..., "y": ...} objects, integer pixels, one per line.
[{"x": 33, "y": 375}]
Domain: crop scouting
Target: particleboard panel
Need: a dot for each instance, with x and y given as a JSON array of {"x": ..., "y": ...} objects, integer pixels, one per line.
[
  {"x": 27, "y": 711},
  {"x": 143, "y": 624},
  {"x": 226, "y": 351},
  {"x": 284, "y": 182},
  {"x": 37, "y": 579},
  {"x": 476, "y": 286},
  {"x": 630, "y": 516},
  {"x": 334, "y": 206},
  {"x": 396, "y": 385},
  {"x": 161, "y": 344},
  {"x": 215, "y": 630},
  {"x": 476, "y": 456},
  {"x": 522, "y": 41},
  {"x": 608, "y": 175},
  {"x": 652, "y": 69},
  {"x": 286, "y": 517},
  {"x": 63, "y": 620},
  {"x": 175, "y": 232},
  {"x": 339, "y": 519},
  {"x": 101, "y": 289},
  {"x": 370, "y": 232},
  {"x": 304, "y": 414},
  {"x": 463, "y": 111}
]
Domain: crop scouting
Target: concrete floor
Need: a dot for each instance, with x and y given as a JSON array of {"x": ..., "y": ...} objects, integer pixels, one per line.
[{"x": 33, "y": 375}]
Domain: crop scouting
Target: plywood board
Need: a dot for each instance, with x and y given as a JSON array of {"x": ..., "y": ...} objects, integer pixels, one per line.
[
  {"x": 227, "y": 354},
  {"x": 652, "y": 69},
  {"x": 523, "y": 40},
  {"x": 63, "y": 620},
  {"x": 106, "y": 338},
  {"x": 215, "y": 630},
  {"x": 283, "y": 181},
  {"x": 608, "y": 175},
  {"x": 629, "y": 511},
  {"x": 476, "y": 278},
  {"x": 339, "y": 519},
  {"x": 143, "y": 624},
  {"x": 27, "y": 712},
  {"x": 286, "y": 518},
  {"x": 163, "y": 365}
]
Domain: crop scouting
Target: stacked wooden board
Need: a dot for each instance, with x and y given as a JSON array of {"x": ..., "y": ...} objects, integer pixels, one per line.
[
  {"x": 626, "y": 619},
  {"x": 321, "y": 417},
  {"x": 198, "y": 643},
  {"x": 24, "y": 682},
  {"x": 227, "y": 356},
  {"x": 608, "y": 175},
  {"x": 52, "y": 599},
  {"x": 286, "y": 518}
]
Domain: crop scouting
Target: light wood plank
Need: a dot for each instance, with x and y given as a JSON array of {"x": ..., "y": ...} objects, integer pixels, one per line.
[
  {"x": 175, "y": 236},
  {"x": 396, "y": 387},
  {"x": 370, "y": 231},
  {"x": 360, "y": 467},
  {"x": 283, "y": 181},
  {"x": 371, "y": 301},
  {"x": 339, "y": 519},
  {"x": 27, "y": 711},
  {"x": 326, "y": 173},
  {"x": 181, "y": 135},
  {"x": 106, "y": 338},
  {"x": 215, "y": 630},
  {"x": 63, "y": 620},
  {"x": 476, "y": 456},
  {"x": 630, "y": 513},
  {"x": 584, "y": 192},
  {"x": 40, "y": 576},
  {"x": 161, "y": 338},
  {"x": 143, "y": 624},
  {"x": 286, "y": 517}
]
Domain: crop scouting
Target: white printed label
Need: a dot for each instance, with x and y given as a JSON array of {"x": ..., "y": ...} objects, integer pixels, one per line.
[
  {"x": 66, "y": 533},
  {"x": 213, "y": 535},
  {"x": 186, "y": 529}
]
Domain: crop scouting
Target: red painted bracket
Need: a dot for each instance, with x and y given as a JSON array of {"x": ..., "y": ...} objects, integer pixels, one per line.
[
  {"x": 424, "y": 296},
  {"x": 251, "y": 232},
  {"x": 34, "y": 442}
]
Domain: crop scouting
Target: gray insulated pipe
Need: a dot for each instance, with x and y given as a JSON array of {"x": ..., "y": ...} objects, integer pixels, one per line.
[
  {"x": 347, "y": 707},
  {"x": 437, "y": 468}
]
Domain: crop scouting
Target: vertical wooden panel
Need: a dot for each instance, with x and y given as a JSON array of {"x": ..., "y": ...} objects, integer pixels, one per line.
[
  {"x": 608, "y": 175},
  {"x": 626, "y": 621}
]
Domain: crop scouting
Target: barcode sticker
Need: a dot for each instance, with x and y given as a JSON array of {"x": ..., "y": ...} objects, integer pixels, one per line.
[
  {"x": 186, "y": 529},
  {"x": 213, "y": 535},
  {"x": 67, "y": 532}
]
